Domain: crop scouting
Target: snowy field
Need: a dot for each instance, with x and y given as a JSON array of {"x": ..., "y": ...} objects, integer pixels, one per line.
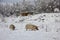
[{"x": 48, "y": 24}]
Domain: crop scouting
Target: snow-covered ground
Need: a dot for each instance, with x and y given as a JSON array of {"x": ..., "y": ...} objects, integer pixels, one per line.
[{"x": 48, "y": 24}]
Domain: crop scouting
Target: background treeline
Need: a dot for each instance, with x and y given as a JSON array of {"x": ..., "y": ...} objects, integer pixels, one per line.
[{"x": 37, "y": 7}]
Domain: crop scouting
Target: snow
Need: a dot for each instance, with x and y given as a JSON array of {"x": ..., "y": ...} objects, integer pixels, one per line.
[{"x": 49, "y": 28}]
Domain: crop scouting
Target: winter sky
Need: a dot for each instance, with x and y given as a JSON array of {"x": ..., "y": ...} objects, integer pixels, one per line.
[{"x": 12, "y": 1}]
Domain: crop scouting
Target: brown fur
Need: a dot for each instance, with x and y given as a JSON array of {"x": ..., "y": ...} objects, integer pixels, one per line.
[
  {"x": 12, "y": 27},
  {"x": 25, "y": 14},
  {"x": 31, "y": 27}
]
